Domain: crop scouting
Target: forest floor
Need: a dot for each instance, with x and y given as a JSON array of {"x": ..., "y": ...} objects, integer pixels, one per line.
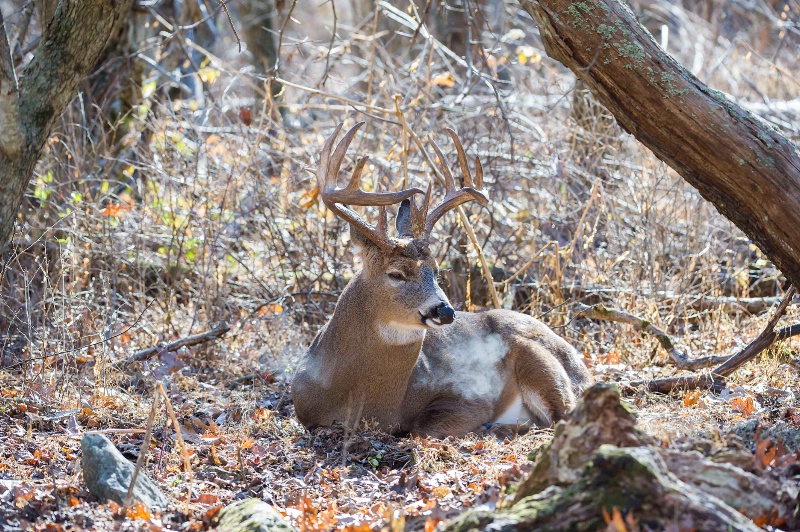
[{"x": 237, "y": 420}]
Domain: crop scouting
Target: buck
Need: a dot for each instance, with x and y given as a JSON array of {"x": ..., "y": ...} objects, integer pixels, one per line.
[{"x": 397, "y": 352}]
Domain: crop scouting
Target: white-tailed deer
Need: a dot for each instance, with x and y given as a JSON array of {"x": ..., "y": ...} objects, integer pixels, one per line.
[{"x": 396, "y": 351}]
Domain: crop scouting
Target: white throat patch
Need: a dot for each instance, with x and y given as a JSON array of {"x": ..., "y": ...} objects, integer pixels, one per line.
[{"x": 394, "y": 333}]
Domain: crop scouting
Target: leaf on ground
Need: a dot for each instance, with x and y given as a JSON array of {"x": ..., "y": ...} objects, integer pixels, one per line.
[
  {"x": 691, "y": 397},
  {"x": 206, "y": 498},
  {"x": 766, "y": 452},
  {"x": 139, "y": 512},
  {"x": 744, "y": 405},
  {"x": 614, "y": 521}
]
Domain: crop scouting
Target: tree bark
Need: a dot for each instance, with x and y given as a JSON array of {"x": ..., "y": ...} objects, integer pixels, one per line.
[
  {"x": 600, "y": 467},
  {"x": 748, "y": 170},
  {"x": 72, "y": 43}
]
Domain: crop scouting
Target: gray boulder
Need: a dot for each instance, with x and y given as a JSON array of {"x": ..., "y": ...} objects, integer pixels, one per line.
[
  {"x": 108, "y": 474},
  {"x": 251, "y": 515}
]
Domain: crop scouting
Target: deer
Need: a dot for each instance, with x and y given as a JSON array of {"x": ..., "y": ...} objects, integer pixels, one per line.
[{"x": 395, "y": 351}]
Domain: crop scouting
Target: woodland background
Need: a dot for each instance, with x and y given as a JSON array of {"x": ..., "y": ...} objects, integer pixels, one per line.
[{"x": 173, "y": 196}]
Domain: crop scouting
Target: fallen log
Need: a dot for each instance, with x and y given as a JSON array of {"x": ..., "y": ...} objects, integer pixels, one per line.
[
  {"x": 600, "y": 468},
  {"x": 217, "y": 332}
]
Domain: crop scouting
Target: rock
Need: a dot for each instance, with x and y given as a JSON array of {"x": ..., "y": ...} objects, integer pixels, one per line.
[
  {"x": 108, "y": 474},
  {"x": 251, "y": 515},
  {"x": 600, "y": 467}
]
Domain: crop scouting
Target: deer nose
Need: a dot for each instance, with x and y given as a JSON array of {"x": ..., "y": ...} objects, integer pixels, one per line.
[{"x": 445, "y": 313}]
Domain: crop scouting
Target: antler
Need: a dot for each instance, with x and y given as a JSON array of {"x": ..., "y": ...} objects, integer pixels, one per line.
[
  {"x": 328, "y": 170},
  {"x": 422, "y": 222}
]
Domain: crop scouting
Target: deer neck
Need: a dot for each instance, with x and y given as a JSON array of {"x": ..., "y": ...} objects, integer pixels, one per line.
[{"x": 362, "y": 353}]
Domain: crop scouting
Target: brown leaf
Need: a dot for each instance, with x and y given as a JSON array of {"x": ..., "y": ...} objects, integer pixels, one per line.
[
  {"x": 206, "y": 498},
  {"x": 691, "y": 397},
  {"x": 441, "y": 491},
  {"x": 139, "y": 511},
  {"x": 430, "y": 523},
  {"x": 115, "y": 210},
  {"x": 745, "y": 405},
  {"x": 766, "y": 451},
  {"x": 244, "y": 116},
  {"x": 614, "y": 521}
]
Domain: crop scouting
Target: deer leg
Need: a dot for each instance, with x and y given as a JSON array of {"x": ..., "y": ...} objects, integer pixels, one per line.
[
  {"x": 451, "y": 415},
  {"x": 543, "y": 382}
]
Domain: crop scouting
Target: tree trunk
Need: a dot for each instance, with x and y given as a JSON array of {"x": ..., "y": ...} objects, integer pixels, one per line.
[
  {"x": 72, "y": 44},
  {"x": 749, "y": 171}
]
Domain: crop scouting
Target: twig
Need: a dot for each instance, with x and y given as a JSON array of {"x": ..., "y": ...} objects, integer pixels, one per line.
[
  {"x": 681, "y": 360},
  {"x": 230, "y": 21},
  {"x": 569, "y": 251},
  {"x": 330, "y": 46},
  {"x": 142, "y": 451},
  {"x": 187, "y": 465},
  {"x": 318, "y": 92},
  {"x": 397, "y": 100},
  {"x": 672, "y": 384},
  {"x": 716, "y": 377},
  {"x": 277, "y": 67},
  {"x": 213, "y": 334},
  {"x": 767, "y": 337},
  {"x": 528, "y": 264}
]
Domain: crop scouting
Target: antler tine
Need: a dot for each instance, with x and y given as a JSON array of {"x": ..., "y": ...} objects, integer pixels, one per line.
[
  {"x": 453, "y": 198},
  {"x": 478, "y": 173},
  {"x": 324, "y": 159},
  {"x": 449, "y": 183},
  {"x": 338, "y": 156},
  {"x": 462, "y": 157}
]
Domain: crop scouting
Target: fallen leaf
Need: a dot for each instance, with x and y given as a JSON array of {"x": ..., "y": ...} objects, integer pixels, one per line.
[
  {"x": 744, "y": 405},
  {"x": 206, "y": 498},
  {"x": 614, "y": 521},
  {"x": 115, "y": 210},
  {"x": 444, "y": 80},
  {"x": 766, "y": 451},
  {"x": 691, "y": 397},
  {"x": 139, "y": 512},
  {"x": 441, "y": 491},
  {"x": 430, "y": 524}
]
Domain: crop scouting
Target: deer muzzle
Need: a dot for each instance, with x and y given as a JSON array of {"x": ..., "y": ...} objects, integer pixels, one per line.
[{"x": 442, "y": 314}]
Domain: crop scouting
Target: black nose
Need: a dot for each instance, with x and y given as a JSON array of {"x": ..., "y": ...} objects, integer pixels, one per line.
[{"x": 445, "y": 313}]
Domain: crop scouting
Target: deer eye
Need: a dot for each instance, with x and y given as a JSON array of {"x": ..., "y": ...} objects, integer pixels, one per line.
[{"x": 396, "y": 276}]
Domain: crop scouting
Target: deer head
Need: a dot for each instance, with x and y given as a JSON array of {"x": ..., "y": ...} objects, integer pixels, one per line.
[{"x": 399, "y": 274}]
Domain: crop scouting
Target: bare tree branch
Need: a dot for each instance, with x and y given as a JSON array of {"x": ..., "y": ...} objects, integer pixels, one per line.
[
  {"x": 217, "y": 332},
  {"x": 715, "y": 379},
  {"x": 681, "y": 360}
]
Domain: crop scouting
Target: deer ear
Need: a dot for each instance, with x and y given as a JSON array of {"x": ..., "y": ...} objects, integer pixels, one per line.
[{"x": 403, "y": 220}]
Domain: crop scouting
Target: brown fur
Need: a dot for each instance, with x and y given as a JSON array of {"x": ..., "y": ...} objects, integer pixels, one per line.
[{"x": 443, "y": 381}]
